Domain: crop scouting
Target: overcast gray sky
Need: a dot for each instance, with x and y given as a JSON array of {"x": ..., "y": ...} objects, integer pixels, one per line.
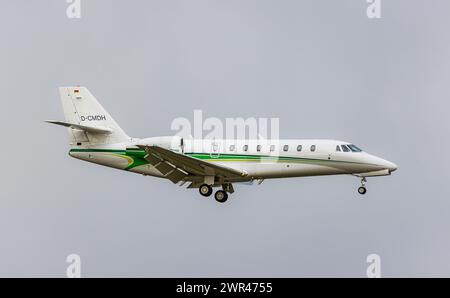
[{"x": 322, "y": 67}]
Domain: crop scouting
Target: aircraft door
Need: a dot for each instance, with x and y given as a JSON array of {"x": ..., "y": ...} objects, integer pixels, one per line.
[
  {"x": 215, "y": 149},
  {"x": 177, "y": 144}
]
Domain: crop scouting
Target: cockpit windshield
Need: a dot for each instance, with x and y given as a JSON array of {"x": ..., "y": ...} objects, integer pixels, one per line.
[{"x": 354, "y": 148}]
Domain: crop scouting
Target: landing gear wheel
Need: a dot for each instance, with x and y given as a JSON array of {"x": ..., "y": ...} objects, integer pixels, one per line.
[
  {"x": 205, "y": 190},
  {"x": 221, "y": 196},
  {"x": 362, "y": 190}
]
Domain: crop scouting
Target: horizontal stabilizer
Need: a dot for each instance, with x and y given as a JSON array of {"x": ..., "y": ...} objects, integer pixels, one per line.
[{"x": 91, "y": 129}]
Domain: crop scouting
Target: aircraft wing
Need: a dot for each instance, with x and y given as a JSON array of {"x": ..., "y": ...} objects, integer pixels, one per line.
[{"x": 173, "y": 165}]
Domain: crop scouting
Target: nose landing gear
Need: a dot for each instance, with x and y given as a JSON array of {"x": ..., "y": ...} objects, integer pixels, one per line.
[{"x": 362, "y": 189}]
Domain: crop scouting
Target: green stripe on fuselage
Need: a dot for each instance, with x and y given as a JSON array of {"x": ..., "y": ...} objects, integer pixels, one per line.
[
  {"x": 138, "y": 155},
  {"x": 275, "y": 158}
]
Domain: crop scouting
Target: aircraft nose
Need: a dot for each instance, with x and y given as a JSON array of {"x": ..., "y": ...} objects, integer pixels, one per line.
[
  {"x": 390, "y": 166},
  {"x": 383, "y": 164}
]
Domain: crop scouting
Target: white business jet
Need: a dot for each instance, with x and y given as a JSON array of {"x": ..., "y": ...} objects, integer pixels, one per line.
[{"x": 203, "y": 164}]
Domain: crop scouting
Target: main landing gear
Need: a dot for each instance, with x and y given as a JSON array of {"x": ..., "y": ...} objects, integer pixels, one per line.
[
  {"x": 362, "y": 189},
  {"x": 205, "y": 190},
  {"x": 221, "y": 196}
]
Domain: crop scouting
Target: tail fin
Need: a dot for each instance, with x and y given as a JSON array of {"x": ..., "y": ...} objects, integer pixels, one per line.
[{"x": 89, "y": 119}]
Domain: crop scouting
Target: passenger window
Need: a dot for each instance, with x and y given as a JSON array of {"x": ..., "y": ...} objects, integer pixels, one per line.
[
  {"x": 245, "y": 147},
  {"x": 258, "y": 148},
  {"x": 299, "y": 148},
  {"x": 272, "y": 148},
  {"x": 338, "y": 149},
  {"x": 232, "y": 147},
  {"x": 285, "y": 147},
  {"x": 313, "y": 148},
  {"x": 345, "y": 148}
]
